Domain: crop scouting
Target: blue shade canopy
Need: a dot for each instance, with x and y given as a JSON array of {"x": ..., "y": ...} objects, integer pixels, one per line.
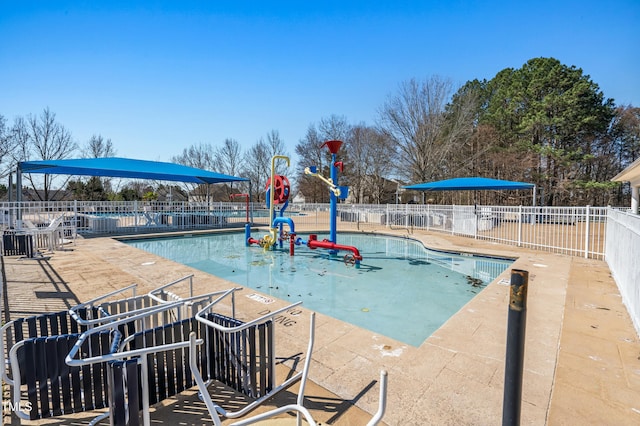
[
  {"x": 470, "y": 184},
  {"x": 126, "y": 168}
]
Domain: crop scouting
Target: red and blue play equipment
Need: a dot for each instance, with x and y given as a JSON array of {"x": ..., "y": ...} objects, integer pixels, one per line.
[
  {"x": 278, "y": 190},
  {"x": 281, "y": 190},
  {"x": 313, "y": 244}
]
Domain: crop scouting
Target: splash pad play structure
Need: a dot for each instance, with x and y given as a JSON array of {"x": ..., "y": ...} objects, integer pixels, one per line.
[{"x": 278, "y": 190}]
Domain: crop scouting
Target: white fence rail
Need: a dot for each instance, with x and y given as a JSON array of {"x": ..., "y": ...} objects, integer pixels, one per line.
[
  {"x": 622, "y": 248},
  {"x": 576, "y": 231},
  {"x": 103, "y": 217}
]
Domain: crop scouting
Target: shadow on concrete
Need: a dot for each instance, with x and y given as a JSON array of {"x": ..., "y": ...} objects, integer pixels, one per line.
[{"x": 45, "y": 290}]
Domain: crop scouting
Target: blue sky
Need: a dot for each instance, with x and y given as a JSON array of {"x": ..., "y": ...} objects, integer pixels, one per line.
[{"x": 156, "y": 77}]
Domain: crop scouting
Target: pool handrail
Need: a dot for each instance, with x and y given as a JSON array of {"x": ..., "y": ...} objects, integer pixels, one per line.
[{"x": 382, "y": 401}]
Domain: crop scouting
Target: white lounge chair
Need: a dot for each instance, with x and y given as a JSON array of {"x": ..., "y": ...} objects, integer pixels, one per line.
[{"x": 50, "y": 237}]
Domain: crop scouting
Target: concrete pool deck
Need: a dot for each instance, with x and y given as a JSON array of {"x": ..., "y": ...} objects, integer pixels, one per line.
[{"x": 582, "y": 354}]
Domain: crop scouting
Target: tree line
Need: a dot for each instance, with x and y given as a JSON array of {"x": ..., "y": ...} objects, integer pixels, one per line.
[{"x": 544, "y": 123}]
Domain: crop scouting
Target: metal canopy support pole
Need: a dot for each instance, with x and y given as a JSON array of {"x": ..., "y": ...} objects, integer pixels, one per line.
[
  {"x": 250, "y": 205},
  {"x": 534, "y": 196},
  {"x": 10, "y": 198},
  {"x": 19, "y": 195}
]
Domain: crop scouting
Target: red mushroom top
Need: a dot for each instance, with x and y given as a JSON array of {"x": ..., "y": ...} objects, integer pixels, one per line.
[{"x": 333, "y": 146}]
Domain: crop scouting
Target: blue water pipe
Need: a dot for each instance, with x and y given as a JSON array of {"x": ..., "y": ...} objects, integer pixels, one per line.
[
  {"x": 282, "y": 220},
  {"x": 290, "y": 222},
  {"x": 247, "y": 234},
  {"x": 334, "y": 204}
]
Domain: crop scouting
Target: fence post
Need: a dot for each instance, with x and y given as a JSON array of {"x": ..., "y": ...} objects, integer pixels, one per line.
[
  {"x": 520, "y": 226},
  {"x": 406, "y": 216},
  {"x": 453, "y": 219},
  {"x": 75, "y": 219},
  {"x": 475, "y": 213},
  {"x": 388, "y": 217},
  {"x": 135, "y": 215},
  {"x": 587, "y": 229},
  {"x": 515, "y": 348}
]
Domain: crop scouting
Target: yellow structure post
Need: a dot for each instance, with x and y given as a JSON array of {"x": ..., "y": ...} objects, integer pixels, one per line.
[{"x": 272, "y": 230}]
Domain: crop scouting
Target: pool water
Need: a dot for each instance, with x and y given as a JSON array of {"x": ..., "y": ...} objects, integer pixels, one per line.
[{"x": 401, "y": 290}]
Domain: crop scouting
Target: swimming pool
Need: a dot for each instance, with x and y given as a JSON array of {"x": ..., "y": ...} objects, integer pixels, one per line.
[{"x": 402, "y": 290}]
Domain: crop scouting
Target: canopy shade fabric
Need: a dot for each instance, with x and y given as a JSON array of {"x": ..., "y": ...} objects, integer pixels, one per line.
[
  {"x": 126, "y": 168},
  {"x": 470, "y": 184}
]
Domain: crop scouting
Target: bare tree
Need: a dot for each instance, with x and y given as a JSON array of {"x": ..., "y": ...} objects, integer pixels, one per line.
[
  {"x": 42, "y": 138},
  {"x": 7, "y": 146},
  {"x": 372, "y": 163},
  {"x": 98, "y": 147},
  {"x": 414, "y": 119},
  {"x": 257, "y": 169},
  {"x": 198, "y": 156},
  {"x": 257, "y": 163},
  {"x": 310, "y": 154},
  {"x": 335, "y": 127},
  {"x": 276, "y": 146},
  {"x": 228, "y": 159},
  {"x": 201, "y": 157}
]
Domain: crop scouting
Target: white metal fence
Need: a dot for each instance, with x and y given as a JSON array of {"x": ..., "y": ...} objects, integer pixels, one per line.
[
  {"x": 622, "y": 248},
  {"x": 104, "y": 217},
  {"x": 577, "y": 231}
]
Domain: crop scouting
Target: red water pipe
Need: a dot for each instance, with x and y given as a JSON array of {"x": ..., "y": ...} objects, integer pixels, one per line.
[
  {"x": 232, "y": 196},
  {"x": 313, "y": 243},
  {"x": 292, "y": 243}
]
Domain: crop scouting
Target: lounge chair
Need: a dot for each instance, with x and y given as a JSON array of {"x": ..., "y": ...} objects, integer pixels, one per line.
[
  {"x": 247, "y": 364},
  {"x": 34, "y": 356},
  {"x": 50, "y": 237}
]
